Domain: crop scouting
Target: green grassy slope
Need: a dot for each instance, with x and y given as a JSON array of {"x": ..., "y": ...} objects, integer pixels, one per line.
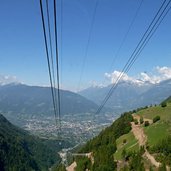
[
  {"x": 151, "y": 112},
  {"x": 161, "y": 129},
  {"x": 125, "y": 147},
  {"x": 159, "y": 133},
  {"x": 130, "y": 145},
  {"x": 156, "y": 132}
]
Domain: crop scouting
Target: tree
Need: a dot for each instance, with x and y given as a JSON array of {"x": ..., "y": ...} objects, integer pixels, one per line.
[
  {"x": 123, "y": 154},
  {"x": 135, "y": 162},
  {"x": 124, "y": 141},
  {"x": 141, "y": 120},
  {"x": 136, "y": 121},
  {"x": 163, "y": 167},
  {"x": 83, "y": 163},
  {"x": 156, "y": 118},
  {"x": 60, "y": 167},
  {"x": 163, "y": 104},
  {"x": 151, "y": 169},
  {"x": 142, "y": 150},
  {"x": 146, "y": 123}
]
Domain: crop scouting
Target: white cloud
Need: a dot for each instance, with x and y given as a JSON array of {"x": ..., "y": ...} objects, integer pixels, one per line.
[
  {"x": 116, "y": 74},
  {"x": 159, "y": 74},
  {"x": 165, "y": 72},
  {"x": 149, "y": 78},
  {"x": 7, "y": 79}
]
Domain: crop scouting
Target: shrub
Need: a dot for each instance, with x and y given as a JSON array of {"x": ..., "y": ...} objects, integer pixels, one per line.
[
  {"x": 134, "y": 111},
  {"x": 142, "y": 150},
  {"x": 162, "y": 167},
  {"x": 124, "y": 141},
  {"x": 146, "y": 123},
  {"x": 136, "y": 121},
  {"x": 163, "y": 104},
  {"x": 156, "y": 118},
  {"x": 141, "y": 120}
]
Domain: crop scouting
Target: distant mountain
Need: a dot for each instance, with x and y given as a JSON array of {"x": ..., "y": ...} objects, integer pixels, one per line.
[
  {"x": 129, "y": 95},
  {"x": 168, "y": 100},
  {"x": 21, "y": 151},
  {"x": 123, "y": 96},
  {"x": 155, "y": 95},
  {"x": 33, "y": 100}
]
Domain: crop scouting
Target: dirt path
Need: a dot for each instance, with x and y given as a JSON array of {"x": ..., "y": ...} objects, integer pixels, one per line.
[
  {"x": 135, "y": 116},
  {"x": 71, "y": 167},
  {"x": 139, "y": 134},
  {"x": 74, "y": 164},
  {"x": 142, "y": 139}
]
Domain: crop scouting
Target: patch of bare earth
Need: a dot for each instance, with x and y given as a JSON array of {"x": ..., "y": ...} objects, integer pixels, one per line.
[
  {"x": 71, "y": 167},
  {"x": 142, "y": 139},
  {"x": 74, "y": 164}
]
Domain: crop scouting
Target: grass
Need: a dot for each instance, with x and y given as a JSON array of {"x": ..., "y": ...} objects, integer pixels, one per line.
[
  {"x": 130, "y": 145},
  {"x": 151, "y": 112},
  {"x": 160, "y": 129},
  {"x": 157, "y": 132}
]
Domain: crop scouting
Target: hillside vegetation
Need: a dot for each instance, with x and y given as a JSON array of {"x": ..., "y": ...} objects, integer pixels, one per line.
[
  {"x": 119, "y": 147},
  {"x": 104, "y": 146},
  {"x": 20, "y": 151}
]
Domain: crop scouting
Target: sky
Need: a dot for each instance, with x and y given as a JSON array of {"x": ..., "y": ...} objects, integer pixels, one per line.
[{"x": 22, "y": 49}]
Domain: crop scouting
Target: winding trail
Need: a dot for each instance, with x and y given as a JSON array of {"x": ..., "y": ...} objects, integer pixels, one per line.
[
  {"x": 74, "y": 164},
  {"x": 142, "y": 139},
  {"x": 71, "y": 167}
]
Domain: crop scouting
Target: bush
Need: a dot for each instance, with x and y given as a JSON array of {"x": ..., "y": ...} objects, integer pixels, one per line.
[
  {"x": 136, "y": 121},
  {"x": 162, "y": 167},
  {"x": 124, "y": 154},
  {"x": 163, "y": 149},
  {"x": 163, "y": 104},
  {"x": 83, "y": 163},
  {"x": 156, "y": 118},
  {"x": 142, "y": 150},
  {"x": 124, "y": 141},
  {"x": 146, "y": 123},
  {"x": 141, "y": 120},
  {"x": 134, "y": 111}
]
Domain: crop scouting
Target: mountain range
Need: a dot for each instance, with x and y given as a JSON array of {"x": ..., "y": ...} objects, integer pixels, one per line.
[
  {"x": 16, "y": 99},
  {"x": 129, "y": 95}
]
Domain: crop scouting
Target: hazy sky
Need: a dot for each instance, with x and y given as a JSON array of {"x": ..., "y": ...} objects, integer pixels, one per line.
[{"x": 22, "y": 51}]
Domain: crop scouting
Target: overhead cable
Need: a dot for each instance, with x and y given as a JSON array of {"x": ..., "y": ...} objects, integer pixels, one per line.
[
  {"x": 157, "y": 20},
  {"x": 48, "y": 59}
]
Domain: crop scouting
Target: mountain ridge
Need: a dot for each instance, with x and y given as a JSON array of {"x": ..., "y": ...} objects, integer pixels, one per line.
[
  {"x": 128, "y": 96},
  {"x": 36, "y": 100}
]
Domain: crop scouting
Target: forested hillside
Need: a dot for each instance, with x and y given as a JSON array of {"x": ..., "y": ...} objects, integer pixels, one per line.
[
  {"x": 104, "y": 145},
  {"x": 138, "y": 140},
  {"x": 20, "y": 151}
]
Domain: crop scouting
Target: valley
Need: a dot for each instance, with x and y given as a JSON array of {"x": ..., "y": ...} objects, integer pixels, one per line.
[
  {"x": 85, "y": 85},
  {"x": 76, "y": 128},
  {"x": 30, "y": 107}
]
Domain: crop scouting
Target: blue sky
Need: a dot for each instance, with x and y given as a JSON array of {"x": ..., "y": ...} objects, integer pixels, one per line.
[{"x": 22, "y": 51}]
